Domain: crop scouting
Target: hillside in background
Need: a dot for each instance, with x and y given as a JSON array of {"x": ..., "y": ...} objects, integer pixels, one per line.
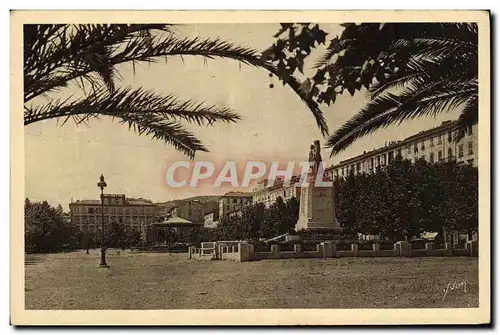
[{"x": 209, "y": 201}]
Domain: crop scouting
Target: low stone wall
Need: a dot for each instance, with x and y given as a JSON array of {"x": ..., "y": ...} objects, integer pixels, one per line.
[
  {"x": 243, "y": 252},
  {"x": 240, "y": 252},
  {"x": 401, "y": 249},
  {"x": 275, "y": 253}
]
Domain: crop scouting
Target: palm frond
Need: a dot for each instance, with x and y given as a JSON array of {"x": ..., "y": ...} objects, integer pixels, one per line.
[
  {"x": 171, "y": 132},
  {"x": 144, "y": 111},
  {"x": 436, "y": 48},
  {"x": 54, "y": 50},
  {"x": 126, "y": 45},
  {"x": 420, "y": 69},
  {"x": 467, "y": 118},
  {"x": 397, "y": 83},
  {"x": 393, "y": 109}
]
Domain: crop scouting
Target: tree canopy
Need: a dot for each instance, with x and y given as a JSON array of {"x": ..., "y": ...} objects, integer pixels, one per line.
[
  {"x": 404, "y": 199},
  {"x": 56, "y": 55},
  {"x": 409, "y": 70}
]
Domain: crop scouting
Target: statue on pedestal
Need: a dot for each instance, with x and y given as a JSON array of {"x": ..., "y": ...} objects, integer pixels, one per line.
[
  {"x": 311, "y": 158},
  {"x": 315, "y": 158},
  {"x": 317, "y": 210}
]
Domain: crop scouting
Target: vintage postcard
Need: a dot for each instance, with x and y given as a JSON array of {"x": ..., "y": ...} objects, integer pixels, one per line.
[{"x": 250, "y": 168}]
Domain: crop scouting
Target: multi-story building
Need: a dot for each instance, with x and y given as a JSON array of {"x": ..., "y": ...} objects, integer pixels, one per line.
[
  {"x": 434, "y": 145},
  {"x": 232, "y": 201},
  {"x": 211, "y": 219},
  {"x": 190, "y": 210},
  {"x": 86, "y": 214},
  {"x": 268, "y": 194}
]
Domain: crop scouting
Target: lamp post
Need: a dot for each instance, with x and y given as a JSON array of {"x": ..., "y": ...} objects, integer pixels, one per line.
[{"x": 102, "y": 184}]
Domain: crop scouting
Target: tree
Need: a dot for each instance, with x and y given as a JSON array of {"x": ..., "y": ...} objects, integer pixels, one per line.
[
  {"x": 279, "y": 218},
  {"x": 410, "y": 70},
  {"x": 459, "y": 208},
  {"x": 401, "y": 182},
  {"x": 133, "y": 237},
  {"x": 345, "y": 195},
  {"x": 402, "y": 200},
  {"x": 118, "y": 235},
  {"x": 56, "y": 56},
  {"x": 44, "y": 228},
  {"x": 291, "y": 215},
  {"x": 257, "y": 221}
]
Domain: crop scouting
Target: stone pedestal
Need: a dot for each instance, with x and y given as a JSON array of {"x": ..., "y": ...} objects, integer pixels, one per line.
[
  {"x": 317, "y": 211},
  {"x": 403, "y": 248},
  {"x": 327, "y": 249}
]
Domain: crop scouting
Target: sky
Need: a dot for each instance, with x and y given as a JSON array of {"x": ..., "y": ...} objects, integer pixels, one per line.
[{"x": 64, "y": 162}]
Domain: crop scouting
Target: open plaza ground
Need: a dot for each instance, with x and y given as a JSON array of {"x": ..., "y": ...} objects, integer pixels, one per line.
[{"x": 173, "y": 281}]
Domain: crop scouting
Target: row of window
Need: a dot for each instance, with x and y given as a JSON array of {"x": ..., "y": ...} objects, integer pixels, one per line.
[
  {"x": 113, "y": 210},
  {"x": 188, "y": 211},
  {"x": 439, "y": 141},
  {"x": 111, "y": 215},
  {"x": 96, "y": 228},
  {"x": 97, "y": 219},
  {"x": 284, "y": 193},
  {"x": 238, "y": 200},
  {"x": 113, "y": 200},
  {"x": 233, "y": 203},
  {"x": 381, "y": 160}
]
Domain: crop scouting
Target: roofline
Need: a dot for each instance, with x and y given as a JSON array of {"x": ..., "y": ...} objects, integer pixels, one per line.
[
  {"x": 246, "y": 195},
  {"x": 402, "y": 143},
  {"x": 278, "y": 185},
  {"x": 98, "y": 202}
]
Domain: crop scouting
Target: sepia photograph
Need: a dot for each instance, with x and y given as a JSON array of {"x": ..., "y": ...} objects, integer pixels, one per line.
[{"x": 327, "y": 164}]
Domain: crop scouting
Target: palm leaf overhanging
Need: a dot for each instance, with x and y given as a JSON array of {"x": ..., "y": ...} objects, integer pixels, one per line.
[
  {"x": 437, "y": 71},
  {"x": 55, "y": 55}
]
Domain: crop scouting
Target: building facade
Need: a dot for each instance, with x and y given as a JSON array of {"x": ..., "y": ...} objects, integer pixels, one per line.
[
  {"x": 268, "y": 194},
  {"x": 211, "y": 219},
  {"x": 232, "y": 201},
  {"x": 434, "y": 145},
  {"x": 86, "y": 214},
  {"x": 190, "y": 210}
]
